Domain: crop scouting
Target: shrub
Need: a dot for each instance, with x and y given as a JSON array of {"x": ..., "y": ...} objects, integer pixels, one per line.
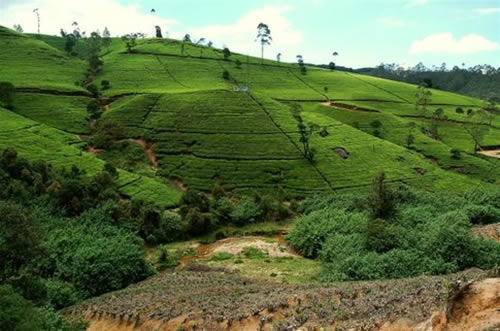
[
  {"x": 429, "y": 234},
  {"x": 246, "y": 211},
  {"x": 7, "y": 91},
  {"x": 455, "y": 154},
  {"x": 94, "y": 90},
  {"x": 226, "y": 75},
  {"x": 105, "y": 85},
  {"x": 60, "y": 294}
]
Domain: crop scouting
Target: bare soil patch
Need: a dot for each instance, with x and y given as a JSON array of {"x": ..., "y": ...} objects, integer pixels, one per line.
[
  {"x": 490, "y": 231},
  {"x": 340, "y": 151},
  {"x": 343, "y": 106},
  {"x": 493, "y": 153},
  {"x": 148, "y": 149},
  {"x": 277, "y": 248}
]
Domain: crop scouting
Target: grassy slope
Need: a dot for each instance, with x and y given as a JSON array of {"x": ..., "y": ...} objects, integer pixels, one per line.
[
  {"x": 33, "y": 63},
  {"x": 204, "y": 132}
]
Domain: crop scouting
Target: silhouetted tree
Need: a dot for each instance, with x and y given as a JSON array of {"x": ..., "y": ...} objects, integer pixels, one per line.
[{"x": 158, "y": 32}]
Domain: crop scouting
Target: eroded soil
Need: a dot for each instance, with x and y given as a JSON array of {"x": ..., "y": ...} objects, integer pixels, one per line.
[{"x": 216, "y": 299}]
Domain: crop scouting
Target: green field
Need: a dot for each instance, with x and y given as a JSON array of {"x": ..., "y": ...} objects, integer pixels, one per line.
[{"x": 202, "y": 132}]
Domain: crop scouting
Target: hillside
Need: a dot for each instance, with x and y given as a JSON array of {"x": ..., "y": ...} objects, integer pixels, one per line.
[
  {"x": 159, "y": 184},
  {"x": 201, "y": 132}
]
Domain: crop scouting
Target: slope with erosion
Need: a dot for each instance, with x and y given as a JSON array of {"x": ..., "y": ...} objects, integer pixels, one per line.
[
  {"x": 36, "y": 141},
  {"x": 217, "y": 299}
]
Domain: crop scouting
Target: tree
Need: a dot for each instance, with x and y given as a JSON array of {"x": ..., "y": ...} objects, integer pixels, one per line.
[
  {"x": 302, "y": 66},
  {"x": 94, "y": 50},
  {"x": 18, "y": 28},
  {"x": 264, "y": 37},
  {"x": 437, "y": 117},
  {"x": 7, "y": 91},
  {"x": 106, "y": 37},
  {"x": 381, "y": 200},
  {"x": 423, "y": 96},
  {"x": 305, "y": 133},
  {"x": 377, "y": 126},
  {"x": 477, "y": 127},
  {"x": 20, "y": 238},
  {"x": 278, "y": 57},
  {"x": 238, "y": 64},
  {"x": 227, "y": 53},
  {"x": 94, "y": 109},
  {"x": 130, "y": 42},
  {"x": 187, "y": 38},
  {"x": 332, "y": 64},
  {"x": 226, "y": 75},
  {"x": 158, "y": 32},
  {"x": 410, "y": 138},
  {"x": 69, "y": 44},
  {"x": 200, "y": 43}
]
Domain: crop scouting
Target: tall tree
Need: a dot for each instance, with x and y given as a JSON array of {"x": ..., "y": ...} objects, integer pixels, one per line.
[
  {"x": 423, "y": 96},
  {"x": 278, "y": 57},
  {"x": 37, "y": 13},
  {"x": 130, "y": 41},
  {"x": 477, "y": 126},
  {"x": 227, "y": 53},
  {"x": 302, "y": 66},
  {"x": 106, "y": 37},
  {"x": 264, "y": 37},
  {"x": 158, "y": 32}
]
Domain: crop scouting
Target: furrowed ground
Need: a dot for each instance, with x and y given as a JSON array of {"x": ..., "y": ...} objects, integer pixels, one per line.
[{"x": 197, "y": 131}]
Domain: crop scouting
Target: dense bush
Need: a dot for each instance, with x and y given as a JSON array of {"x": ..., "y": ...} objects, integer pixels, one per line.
[
  {"x": 19, "y": 314},
  {"x": 425, "y": 233},
  {"x": 94, "y": 258}
]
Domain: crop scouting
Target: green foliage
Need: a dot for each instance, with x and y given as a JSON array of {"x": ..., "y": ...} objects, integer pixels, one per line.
[
  {"x": 427, "y": 233},
  {"x": 18, "y": 314},
  {"x": 94, "y": 258},
  {"x": 246, "y": 211},
  {"x": 94, "y": 109},
  {"x": 254, "y": 253},
  {"x": 7, "y": 91},
  {"x": 20, "y": 235}
]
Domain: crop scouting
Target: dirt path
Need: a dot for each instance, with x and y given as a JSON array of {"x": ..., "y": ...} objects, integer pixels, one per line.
[
  {"x": 343, "y": 106},
  {"x": 148, "y": 149},
  {"x": 490, "y": 231},
  {"x": 492, "y": 153}
]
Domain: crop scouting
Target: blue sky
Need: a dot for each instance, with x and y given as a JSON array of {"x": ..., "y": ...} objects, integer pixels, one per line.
[{"x": 363, "y": 32}]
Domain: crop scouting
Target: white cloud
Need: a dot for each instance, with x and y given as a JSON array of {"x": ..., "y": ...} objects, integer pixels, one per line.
[
  {"x": 391, "y": 22},
  {"x": 485, "y": 11},
  {"x": 446, "y": 43},
  {"x": 240, "y": 35},
  {"x": 91, "y": 15},
  {"x": 416, "y": 3}
]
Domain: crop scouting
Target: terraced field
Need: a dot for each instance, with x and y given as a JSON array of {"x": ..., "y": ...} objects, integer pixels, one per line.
[{"x": 199, "y": 131}]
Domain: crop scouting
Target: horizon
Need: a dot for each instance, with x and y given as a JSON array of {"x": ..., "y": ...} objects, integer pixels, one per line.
[{"x": 404, "y": 32}]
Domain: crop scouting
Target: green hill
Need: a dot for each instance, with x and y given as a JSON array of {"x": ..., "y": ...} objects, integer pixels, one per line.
[{"x": 184, "y": 123}]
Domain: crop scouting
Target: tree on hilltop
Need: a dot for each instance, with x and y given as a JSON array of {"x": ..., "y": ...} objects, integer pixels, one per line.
[{"x": 264, "y": 37}]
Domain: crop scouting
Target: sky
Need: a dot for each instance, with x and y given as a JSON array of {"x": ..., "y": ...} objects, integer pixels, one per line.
[{"x": 363, "y": 32}]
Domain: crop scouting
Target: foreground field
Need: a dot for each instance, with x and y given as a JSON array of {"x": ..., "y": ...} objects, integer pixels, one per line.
[{"x": 220, "y": 300}]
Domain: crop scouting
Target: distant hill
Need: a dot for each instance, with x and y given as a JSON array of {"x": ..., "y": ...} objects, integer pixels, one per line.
[{"x": 481, "y": 81}]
